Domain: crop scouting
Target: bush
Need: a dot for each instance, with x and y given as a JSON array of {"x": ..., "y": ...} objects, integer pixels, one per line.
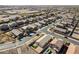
[{"x": 34, "y": 46}]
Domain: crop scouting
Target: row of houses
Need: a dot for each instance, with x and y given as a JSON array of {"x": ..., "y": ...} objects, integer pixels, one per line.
[
  {"x": 18, "y": 23},
  {"x": 10, "y": 18},
  {"x": 48, "y": 44},
  {"x": 28, "y": 29},
  {"x": 54, "y": 46}
]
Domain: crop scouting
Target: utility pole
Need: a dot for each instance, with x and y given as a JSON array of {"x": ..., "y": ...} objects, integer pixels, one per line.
[
  {"x": 74, "y": 27},
  {"x": 77, "y": 21},
  {"x": 73, "y": 20}
]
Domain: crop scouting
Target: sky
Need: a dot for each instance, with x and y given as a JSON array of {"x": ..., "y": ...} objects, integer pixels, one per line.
[{"x": 39, "y": 2}]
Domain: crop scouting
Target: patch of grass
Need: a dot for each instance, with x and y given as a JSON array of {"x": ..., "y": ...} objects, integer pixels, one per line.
[
  {"x": 66, "y": 42},
  {"x": 49, "y": 51},
  {"x": 34, "y": 46}
]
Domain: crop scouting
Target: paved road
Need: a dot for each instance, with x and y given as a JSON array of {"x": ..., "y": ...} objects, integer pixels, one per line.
[{"x": 14, "y": 45}]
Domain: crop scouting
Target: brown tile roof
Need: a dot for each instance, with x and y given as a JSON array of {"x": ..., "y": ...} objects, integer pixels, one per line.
[
  {"x": 57, "y": 42},
  {"x": 73, "y": 49}
]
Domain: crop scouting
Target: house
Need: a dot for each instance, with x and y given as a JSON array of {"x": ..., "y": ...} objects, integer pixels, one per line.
[
  {"x": 51, "y": 18},
  {"x": 76, "y": 35},
  {"x": 20, "y": 22},
  {"x": 31, "y": 29},
  {"x": 3, "y": 16},
  {"x": 60, "y": 30},
  {"x": 33, "y": 26},
  {"x": 13, "y": 25},
  {"x": 14, "y": 17},
  {"x": 46, "y": 20},
  {"x": 31, "y": 19},
  {"x": 37, "y": 18},
  {"x": 16, "y": 32},
  {"x": 4, "y": 27},
  {"x": 40, "y": 17},
  {"x": 56, "y": 44},
  {"x": 27, "y": 21},
  {"x": 73, "y": 49},
  {"x": 43, "y": 40},
  {"x": 5, "y": 20},
  {"x": 24, "y": 21},
  {"x": 60, "y": 24},
  {"x": 38, "y": 25},
  {"x": 24, "y": 27},
  {"x": 42, "y": 22}
]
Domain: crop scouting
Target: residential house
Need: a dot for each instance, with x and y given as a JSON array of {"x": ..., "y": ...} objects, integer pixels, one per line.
[
  {"x": 43, "y": 40},
  {"x": 56, "y": 44}
]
